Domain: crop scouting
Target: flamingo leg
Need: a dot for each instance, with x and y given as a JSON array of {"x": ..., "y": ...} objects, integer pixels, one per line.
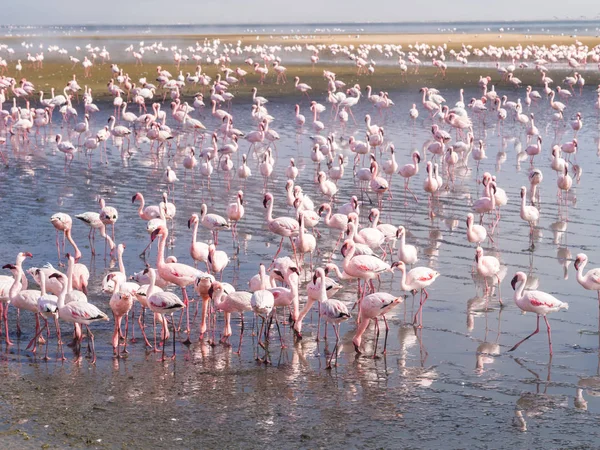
[
  {"x": 537, "y": 330},
  {"x": 549, "y": 334},
  {"x": 60, "y": 345},
  {"x": 91, "y": 338},
  {"x": 387, "y": 329}
]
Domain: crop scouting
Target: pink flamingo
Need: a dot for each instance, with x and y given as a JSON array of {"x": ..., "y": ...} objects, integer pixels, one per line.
[
  {"x": 63, "y": 222},
  {"x": 418, "y": 278},
  {"x": 78, "y": 312},
  {"x": 537, "y": 302},
  {"x": 230, "y": 302},
  {"x": 179, "y": 274},
  {"x": 374, "y": 306}
]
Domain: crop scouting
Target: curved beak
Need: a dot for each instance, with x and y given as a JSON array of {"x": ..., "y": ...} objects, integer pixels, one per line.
[{"x": 513, "y": 282}]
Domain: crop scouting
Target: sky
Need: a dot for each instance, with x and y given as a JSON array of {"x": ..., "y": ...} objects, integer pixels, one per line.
[{"x": 75, "y": 12}]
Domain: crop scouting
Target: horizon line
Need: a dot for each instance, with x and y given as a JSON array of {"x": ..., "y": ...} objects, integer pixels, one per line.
[{"x": 266, "y": 24}]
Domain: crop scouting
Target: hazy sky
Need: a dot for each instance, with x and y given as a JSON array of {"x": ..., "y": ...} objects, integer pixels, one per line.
[{"x": 52, "y": 12}]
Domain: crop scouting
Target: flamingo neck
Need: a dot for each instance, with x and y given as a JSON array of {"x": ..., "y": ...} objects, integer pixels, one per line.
[
  {"x": 16, "y": 287},
  {"x": 270, "y": 212},
  {"x": 194, "y": 233},
  {"x": 580, "y": 277},
  {"x": 61, "y": 296},
  {"x": 160, "y": 257},
  {"x": 403, "y": 284},
  {"x": 519, "y": 291},
  {"x": 70, "y": 276},
  {"x": 141, "y": 207},
  {"x": 72, "y": 241},
  {"x": 323, "y": 291},
  {"x": 121, "y": 265},
  {"x": 150, "y": 290}
]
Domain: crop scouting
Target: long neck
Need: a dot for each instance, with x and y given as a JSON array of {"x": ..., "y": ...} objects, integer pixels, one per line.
[
  {"x": 348, "y": 257},
  {"x": 218, "y": 298},
  {"x": 16, "y": 287},
  {"x": 141, "y": 207},
  {"x": 270, "y": 212},
  {"x": 121, "y": 265},
  {"x": 580, "y": 277},
  {"x": 519, "y": 291},
  {"x": 328, "y": 216},
  {"x": 150, "y": 290},
  {"x": 70, "y": 239},
  {"x": 61, "y": 296},
  {"x": 323, "y": 287},
  {"x": 195, "y": 232},
  {"x": 403, "y": 285},
  {"x": 160, "y": 257},
  {"x": 70, "y": 275},
  {"x": 42, "y": 283}
]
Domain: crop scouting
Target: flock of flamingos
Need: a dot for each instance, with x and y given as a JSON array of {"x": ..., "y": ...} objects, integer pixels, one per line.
[{"x": 368, "y": 247}]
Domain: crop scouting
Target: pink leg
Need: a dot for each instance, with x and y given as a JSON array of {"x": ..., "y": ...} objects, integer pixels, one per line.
[
  {"x": 537, "y": 330},
  {"x": 549, "y": 334}
]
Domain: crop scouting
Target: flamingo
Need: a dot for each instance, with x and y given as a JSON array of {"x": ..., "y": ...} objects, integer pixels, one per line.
[
  {"x": 81, "y": 313},
  {"x": 333, "y": 311},
  {"x": 537, "y": 302},
  {"x": 282, "y": 226},
  {"x": 589, "y": 281},
  {"x": 419, "y": 278},
  {"x": 161, "y": 302},
  {"x": 179, "y": 274},
  {"x": 374, "y": 306}
]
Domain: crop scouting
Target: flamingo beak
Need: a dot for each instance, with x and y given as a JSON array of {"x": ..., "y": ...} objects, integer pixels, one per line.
[
  {"x": 189, "y": 223},
  {"x": 315, "y": 279},
  {"x": 154, "y": 234},
  {"x": 577, "y": 263},
  {"x": 28, "y": 255},
  {"x": 9, "y": 266},
  {"x": 513, "y": 282}
]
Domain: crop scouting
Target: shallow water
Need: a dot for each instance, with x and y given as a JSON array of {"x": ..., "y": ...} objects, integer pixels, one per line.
[{"x": 426, "y": 392}]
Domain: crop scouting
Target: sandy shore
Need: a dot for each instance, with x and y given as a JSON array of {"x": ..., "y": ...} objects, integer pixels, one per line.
[{"x": 58, "y": 70}]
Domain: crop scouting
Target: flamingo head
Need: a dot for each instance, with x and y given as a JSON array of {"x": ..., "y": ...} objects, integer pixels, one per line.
[
  {"x": 518, "y": 276},
  {"x": 478, "y": 253},
  {"x": 268, "y": 197},
  {"x": 399, "y": 232},
  {"x": 580, "y": 259}
]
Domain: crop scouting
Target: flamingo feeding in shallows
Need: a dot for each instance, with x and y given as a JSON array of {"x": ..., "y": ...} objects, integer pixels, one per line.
[
  {"x": 78, "y": 312},
  {"x": 363, "y": 267},
  {"x": 333, "y": 311},
  {"x": 63, "y": 222},
  {"x": 230, "y": 302},
  {"x": 161, "y": 302},
  {"x": 419, "y": 278},
  {"x": 374, "y": 306},
  {"x": 537, "y": 302}
]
